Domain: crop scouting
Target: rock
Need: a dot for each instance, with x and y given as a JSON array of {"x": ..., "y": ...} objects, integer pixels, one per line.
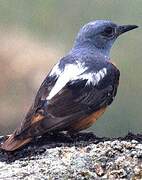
[{"x": 83, "y": 156}]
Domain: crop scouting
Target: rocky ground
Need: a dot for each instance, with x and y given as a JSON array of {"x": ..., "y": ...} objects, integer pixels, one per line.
[{"x": 83, "y": 156}]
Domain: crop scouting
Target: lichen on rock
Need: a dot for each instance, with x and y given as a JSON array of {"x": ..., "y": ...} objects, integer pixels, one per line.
[{"x": 83, "y": 156}]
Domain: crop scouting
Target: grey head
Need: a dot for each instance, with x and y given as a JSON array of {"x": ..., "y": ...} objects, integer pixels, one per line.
[{"x": 99, "y": 36}]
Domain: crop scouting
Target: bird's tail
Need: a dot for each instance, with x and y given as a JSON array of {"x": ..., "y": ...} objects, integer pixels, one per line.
[{"x": 13, "y": 143}]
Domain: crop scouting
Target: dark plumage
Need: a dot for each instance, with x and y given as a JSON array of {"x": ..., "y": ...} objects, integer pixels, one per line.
[{"x": 77, "y": 90}]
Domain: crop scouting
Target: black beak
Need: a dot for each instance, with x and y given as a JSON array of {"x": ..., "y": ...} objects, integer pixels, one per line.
[{"x": 125, "y": 28}]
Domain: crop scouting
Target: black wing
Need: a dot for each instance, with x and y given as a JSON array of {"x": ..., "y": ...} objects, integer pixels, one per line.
[
  {"x": 38, "y": 104},
  {"x": 75, "y": 101}
]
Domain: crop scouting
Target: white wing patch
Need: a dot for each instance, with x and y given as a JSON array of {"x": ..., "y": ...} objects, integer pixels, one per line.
[
  {"x": 94, "y": 78},
  {"x": 74, "y": 72},
  {"x": 70, "y": 72},
  {"x": 55, "y": 71}
]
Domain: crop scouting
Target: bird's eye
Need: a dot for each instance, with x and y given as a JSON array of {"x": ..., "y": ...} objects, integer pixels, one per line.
[{"x": 109, "y": 31}]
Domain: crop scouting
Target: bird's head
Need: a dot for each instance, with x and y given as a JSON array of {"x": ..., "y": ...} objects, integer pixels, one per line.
[{"x": 101, "y": 34}]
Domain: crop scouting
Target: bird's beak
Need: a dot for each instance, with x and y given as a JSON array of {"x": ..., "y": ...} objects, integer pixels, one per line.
[{"x": 124, "y": 28}]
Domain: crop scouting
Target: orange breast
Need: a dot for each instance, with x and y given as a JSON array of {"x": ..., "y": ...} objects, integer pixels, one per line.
[{"x": 87, "y": 122}]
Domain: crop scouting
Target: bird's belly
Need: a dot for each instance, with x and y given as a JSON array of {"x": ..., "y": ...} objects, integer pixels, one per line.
[{"x": 86, "y": 122}]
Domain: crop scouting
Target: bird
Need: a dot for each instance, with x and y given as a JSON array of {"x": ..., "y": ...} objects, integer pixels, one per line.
[{"x": 77, "y": 90}]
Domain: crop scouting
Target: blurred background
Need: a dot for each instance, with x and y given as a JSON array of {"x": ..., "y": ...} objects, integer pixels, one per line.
[{"x": 34, "y": 34}]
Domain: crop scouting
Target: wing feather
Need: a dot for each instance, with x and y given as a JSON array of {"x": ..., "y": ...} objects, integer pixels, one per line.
[{"x": 77, "y": 99}]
